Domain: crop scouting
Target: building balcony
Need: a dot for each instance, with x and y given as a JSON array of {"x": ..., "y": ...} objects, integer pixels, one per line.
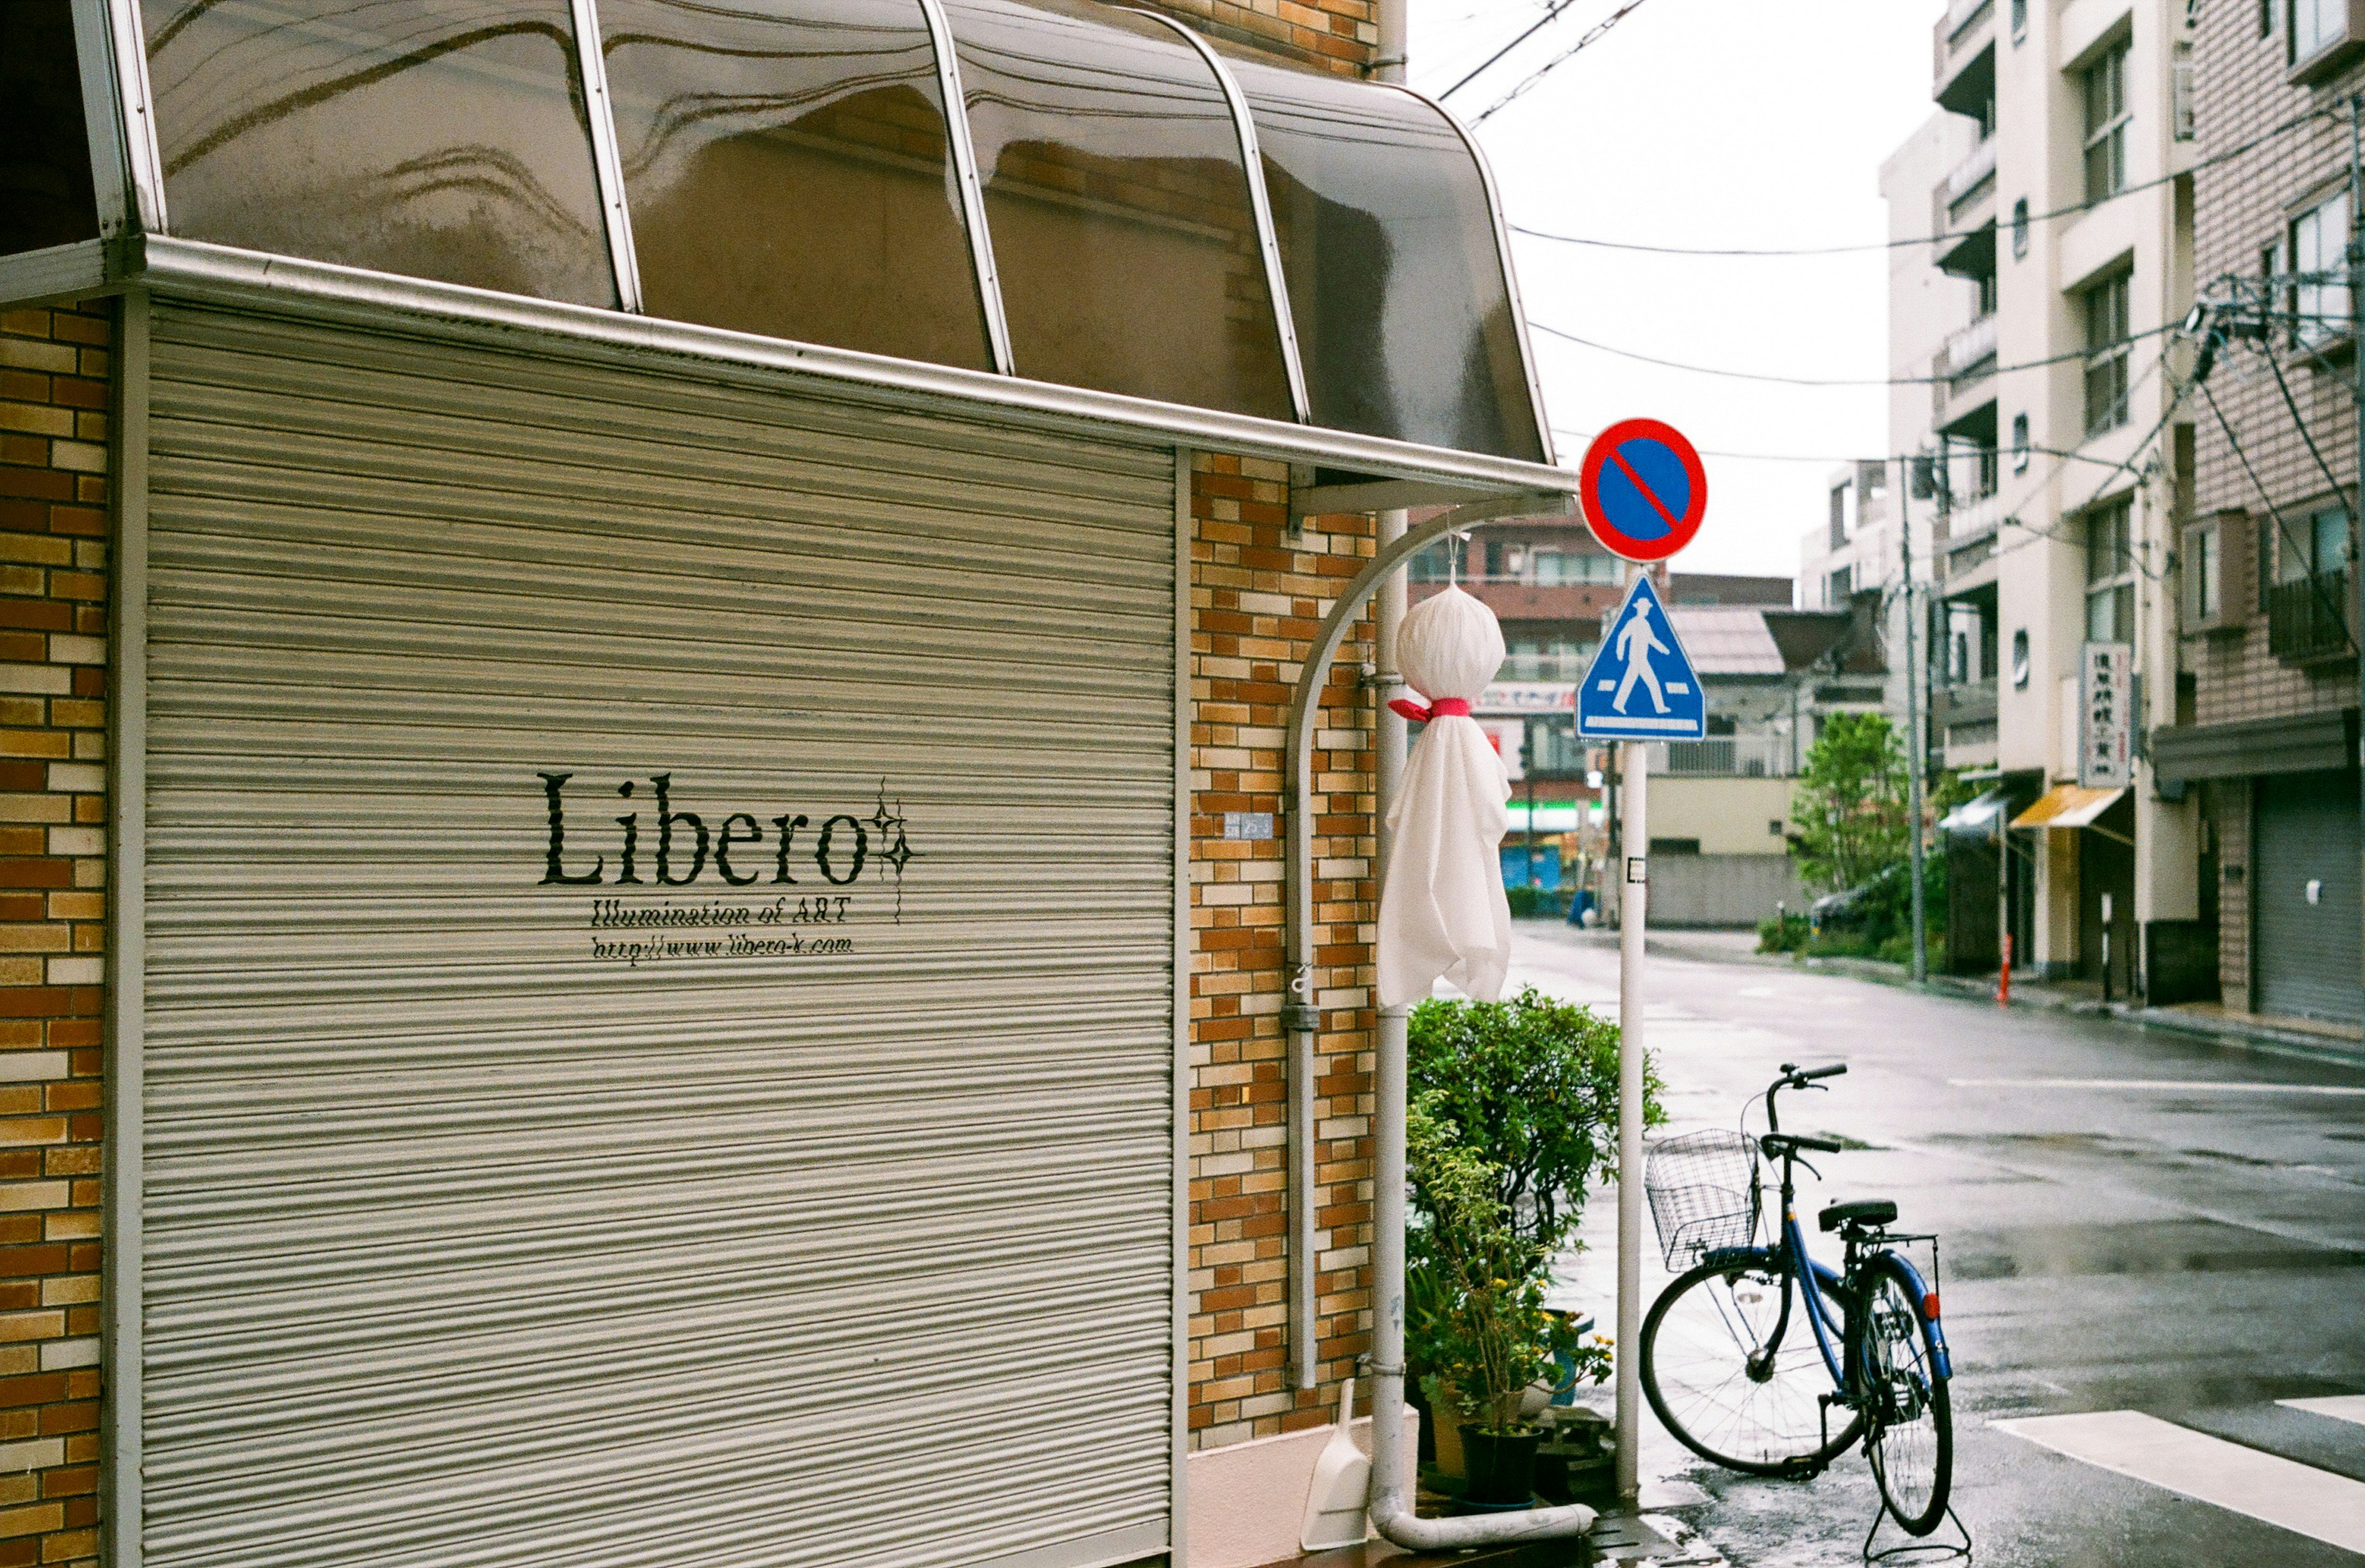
[
  {"x": 2307, "y": 619},
  {"x": 1971, "y": 351},
  {"x": 1972, "y": 702},
  {"x": 1962, "y": 67},
  {"x": 1968, "y": 178},
  {"x": 1722, "y": 756}
]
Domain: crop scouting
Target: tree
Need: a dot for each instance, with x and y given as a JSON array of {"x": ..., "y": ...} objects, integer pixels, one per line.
[{"x": 1850, "y": 805}]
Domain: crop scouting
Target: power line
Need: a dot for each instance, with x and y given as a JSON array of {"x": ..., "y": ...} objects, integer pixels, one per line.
[
  {"x": 1543, "y": 22},
  {"x": 1953, "y": 449},
  {"x": 1548, "y": 67},
  {"x": 1810, "y": 381},
  {"x": 2251, "y": 145}
]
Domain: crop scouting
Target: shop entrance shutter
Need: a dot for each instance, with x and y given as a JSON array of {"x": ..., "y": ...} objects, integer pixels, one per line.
[
  {"x": 829, "y": 1223},
  {"x": 2308, "y": 952}
]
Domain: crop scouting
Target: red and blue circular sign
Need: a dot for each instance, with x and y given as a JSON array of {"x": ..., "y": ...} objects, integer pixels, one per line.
[{"x": 1643, "y": 489}]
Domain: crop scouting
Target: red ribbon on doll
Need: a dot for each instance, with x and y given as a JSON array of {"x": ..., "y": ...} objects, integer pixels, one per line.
[{"x": 1443, "y": 708}]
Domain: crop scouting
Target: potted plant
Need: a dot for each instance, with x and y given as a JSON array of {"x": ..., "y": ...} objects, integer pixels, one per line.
[{"x": 1483, "y": 1334}]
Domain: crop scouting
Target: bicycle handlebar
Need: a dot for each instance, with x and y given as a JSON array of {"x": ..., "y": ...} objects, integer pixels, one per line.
[
  {"x": 1798, "y": 1075},
  {"x": 1821, "y": 1144}
]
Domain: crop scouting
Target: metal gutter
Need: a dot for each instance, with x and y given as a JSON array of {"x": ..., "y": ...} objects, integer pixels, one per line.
[
  {"x": 1276, "y": 281},
  {"x": 1302, "y": 1008},
  {"x": 607, "y": 157},
  {"x": 222, "y": 273},
  {"x": 76, "y": 270},
  {"x": 972, "y": 188},
  {"x": 126, "y": 946},
  {"x": 1391, "y": 1506}
]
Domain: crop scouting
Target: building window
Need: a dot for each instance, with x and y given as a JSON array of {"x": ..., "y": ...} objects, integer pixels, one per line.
[
  {"x": 1987, "y": 300},
  {"x": 2316, "y": 26},
  {"x": 2106, "y": 354},
  {"x": 1838, "y": 588},
  {"x": 2316, "y": 547},
  {"x": 2020, "y": 443},
  {"x": 2019, "y": 228},
  {"x": 2179, "y": 92},
  {"x": 2020, "y": 657},
  {"x": 2266, "y": 19},
  {"x": 2204, "y": 574},
  {"x": 2018, "y": 20},
  {"x": 2111, "y": 574},
  {"x": 1987, "y": 472},
  {"x": 1843, "y": 514},
  {"x": 1549, "y": 564},
  {"x": 2106, "y": 123},
  {"x": 2319, "y": 266}
]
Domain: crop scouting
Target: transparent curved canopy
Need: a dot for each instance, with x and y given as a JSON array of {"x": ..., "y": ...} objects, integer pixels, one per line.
[
  {"x": 440, "y": 139},
  {"x": 1085, "y": 214},
  {"x": 789, "y": 173},
  {"x": 1395, "y": 274},
  {"x": 1118, "y": 203}
]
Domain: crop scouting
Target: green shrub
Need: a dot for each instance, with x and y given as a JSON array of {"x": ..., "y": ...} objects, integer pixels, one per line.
[
  {"x": 1531, "y": 1086},
  {"x": 1515, "y": 1111},
  {"x": 1783, "y": 934}
]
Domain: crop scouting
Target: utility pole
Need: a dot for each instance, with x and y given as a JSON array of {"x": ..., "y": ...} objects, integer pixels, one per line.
[
  {"x": 2357, "y": 366},
  {"x": 1916, "y": 753}
]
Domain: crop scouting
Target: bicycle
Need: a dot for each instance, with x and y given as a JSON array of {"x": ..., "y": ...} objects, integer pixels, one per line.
[{"x": 1725, "y": 1362}]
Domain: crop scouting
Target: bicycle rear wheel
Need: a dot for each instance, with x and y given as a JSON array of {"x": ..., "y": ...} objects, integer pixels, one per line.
[
  {"x": 1912, "y": 1423},
  {"x": 1705, "y": 1370}
]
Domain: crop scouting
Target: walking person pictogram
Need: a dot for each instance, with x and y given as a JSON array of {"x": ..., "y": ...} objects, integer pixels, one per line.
[{"x": 1636, "y": 643}]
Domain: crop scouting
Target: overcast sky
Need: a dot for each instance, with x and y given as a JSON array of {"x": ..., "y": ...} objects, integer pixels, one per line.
[{"x": 1703, "y": 123}]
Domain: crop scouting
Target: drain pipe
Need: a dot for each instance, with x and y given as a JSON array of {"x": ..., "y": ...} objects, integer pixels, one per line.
[{"x": 1391, "y": 1506}]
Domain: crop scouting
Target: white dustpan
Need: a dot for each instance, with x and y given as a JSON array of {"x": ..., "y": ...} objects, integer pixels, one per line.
[{"x": 1342, "y": 1482}]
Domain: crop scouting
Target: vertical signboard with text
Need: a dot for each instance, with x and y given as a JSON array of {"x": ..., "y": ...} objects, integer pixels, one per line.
[{"x": 2106, "y": 716}]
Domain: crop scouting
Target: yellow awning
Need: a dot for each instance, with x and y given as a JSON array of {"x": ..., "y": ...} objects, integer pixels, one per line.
[{"x": 2068, "y": 806}]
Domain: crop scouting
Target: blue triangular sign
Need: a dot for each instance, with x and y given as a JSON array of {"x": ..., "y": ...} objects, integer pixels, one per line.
[{"x": 1640, "y": 687}]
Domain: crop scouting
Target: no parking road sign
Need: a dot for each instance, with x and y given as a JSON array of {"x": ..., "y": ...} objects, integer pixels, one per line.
[
  {"x": 1641, "y": 685},
  {"x": 1643, "y": 489}
]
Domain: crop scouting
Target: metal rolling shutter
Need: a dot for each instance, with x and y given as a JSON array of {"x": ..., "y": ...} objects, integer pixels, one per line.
[
  {"x": 2307, "y": 953},
  {"x": 466, "y": 1245}
]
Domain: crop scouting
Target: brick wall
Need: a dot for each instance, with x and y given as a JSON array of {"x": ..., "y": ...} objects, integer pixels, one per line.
[
  {"x": 53, "y": 412},
  {"x": 1336, "y": 34},
  {"x": 2241, "y": 206},
  {"x": 1257, "y": 600}
]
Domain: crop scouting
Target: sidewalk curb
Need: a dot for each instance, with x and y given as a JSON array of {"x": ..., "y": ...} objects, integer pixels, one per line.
[{"x": 2262, "y": 1038}]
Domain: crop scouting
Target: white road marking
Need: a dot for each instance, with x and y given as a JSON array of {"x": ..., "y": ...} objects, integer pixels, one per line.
[
  {"x": 2298, "y": 1497},
  {"x": 2339, "y": 1406},
  {"x": 2176, "y": 1085}
]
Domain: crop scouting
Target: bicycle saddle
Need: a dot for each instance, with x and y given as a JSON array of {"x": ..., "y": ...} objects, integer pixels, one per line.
[{"x": 1866, "y": 1213}]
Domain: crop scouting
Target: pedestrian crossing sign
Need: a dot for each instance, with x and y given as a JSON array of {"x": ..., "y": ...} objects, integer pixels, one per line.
[{"x": 1640, "y": 687}]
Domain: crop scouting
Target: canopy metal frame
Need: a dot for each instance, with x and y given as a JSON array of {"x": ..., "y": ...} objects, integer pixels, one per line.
[{"x": 127, "y": 173}]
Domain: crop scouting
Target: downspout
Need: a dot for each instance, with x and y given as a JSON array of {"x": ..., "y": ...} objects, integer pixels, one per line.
[{"x": 1390, "y": 1505}]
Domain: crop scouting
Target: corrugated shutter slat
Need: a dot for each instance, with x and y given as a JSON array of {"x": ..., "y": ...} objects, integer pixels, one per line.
[{"x": 468, "y": 1244}]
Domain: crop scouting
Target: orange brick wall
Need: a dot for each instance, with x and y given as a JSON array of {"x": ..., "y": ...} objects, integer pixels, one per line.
[
  {"x": 1338, "y": 35},
  {"x": 53, "y": 460},
  {"x": 1257, "y": 599}
]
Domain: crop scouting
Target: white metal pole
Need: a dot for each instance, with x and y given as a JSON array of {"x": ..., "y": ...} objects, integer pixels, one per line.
[{"x": 1635, "y": 889}]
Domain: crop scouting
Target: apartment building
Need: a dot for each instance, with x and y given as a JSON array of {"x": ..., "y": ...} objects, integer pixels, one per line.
[
  {"x": 2263, "y": 734},
  {"x": 2067, "y": 213}
]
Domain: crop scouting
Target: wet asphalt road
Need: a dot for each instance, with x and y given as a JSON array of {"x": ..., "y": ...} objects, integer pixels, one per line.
[{"x": 2195, "y": 1252}]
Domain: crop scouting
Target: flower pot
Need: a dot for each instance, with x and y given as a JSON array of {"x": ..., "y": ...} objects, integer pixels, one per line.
[{"x": 1501, "y": 1466}]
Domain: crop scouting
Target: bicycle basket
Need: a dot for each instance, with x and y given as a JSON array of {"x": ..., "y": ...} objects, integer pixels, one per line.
[{"x": 1704, "y": 1193}]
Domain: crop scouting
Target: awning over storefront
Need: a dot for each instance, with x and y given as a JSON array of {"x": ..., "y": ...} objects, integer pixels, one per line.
[
  {"x": 1051, "y": 192},
  {"x": 2068, "y": 806},
  {"x": 1978, "y": 818}
]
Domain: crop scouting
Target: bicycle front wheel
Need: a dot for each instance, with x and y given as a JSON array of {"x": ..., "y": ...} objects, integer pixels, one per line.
[
  {"x": 1912, "y": 1444},
  {"x": 1725, "y": 1393}
]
